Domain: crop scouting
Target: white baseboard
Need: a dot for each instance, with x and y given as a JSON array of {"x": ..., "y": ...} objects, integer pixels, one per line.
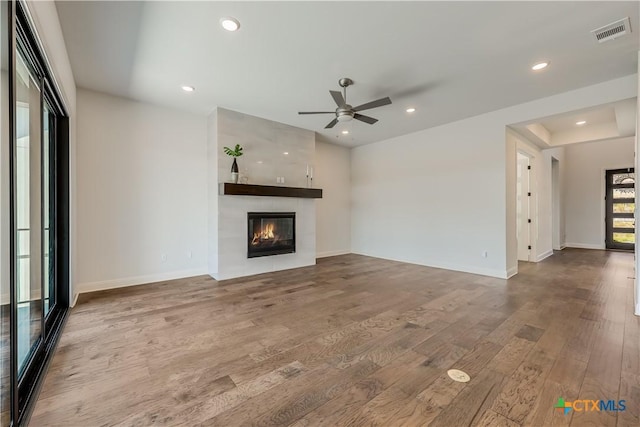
[
  {"x": 545, "y": 255},
  {"x": 512, "y": 272},
  {"x": 500, "y": 274},
  {"x": 637, "y": 313},
  {"x": 584, "y": 246},
  {"x": 562, "y": 246},
  {"x": 139, "y": 280},
  {"x": 75, "y": 300},
  {"x": 332, "y": 253}
]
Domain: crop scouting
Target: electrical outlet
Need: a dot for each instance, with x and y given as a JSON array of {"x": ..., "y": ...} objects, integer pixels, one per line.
[
  {"x": 282, "y": 179},
  {"x": 485, "y": 254},
  {"x": 163, "y": 257}
]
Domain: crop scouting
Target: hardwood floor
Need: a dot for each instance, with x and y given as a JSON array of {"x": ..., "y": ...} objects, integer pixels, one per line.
[{"x": 354, "y": 341}]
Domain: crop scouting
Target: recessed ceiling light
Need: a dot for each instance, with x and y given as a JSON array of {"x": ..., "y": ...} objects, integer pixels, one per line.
[
  {"x": 581, "y": 122},
  {"x": 345, "y": 132},
  {"x": 286, "y": 153},
  {"x": 411, "y": 110},
  {"x": 188, "y": 88},
  {"x": 229, "y": 23},
  {"x": 539, "y": 66}
]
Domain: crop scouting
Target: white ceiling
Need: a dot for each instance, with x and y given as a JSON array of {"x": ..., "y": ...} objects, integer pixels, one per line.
[
  {"x": 450, "y": 60},
  {"x": 567, "y": 122},
  {"x": 604, "y": 122}
]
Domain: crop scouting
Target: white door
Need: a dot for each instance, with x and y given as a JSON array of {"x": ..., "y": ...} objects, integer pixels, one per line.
[{"x": 522, "y": 208}]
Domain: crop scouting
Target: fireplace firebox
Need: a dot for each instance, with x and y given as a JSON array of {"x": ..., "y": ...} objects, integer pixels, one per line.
[{"x": 271, "y": 233}]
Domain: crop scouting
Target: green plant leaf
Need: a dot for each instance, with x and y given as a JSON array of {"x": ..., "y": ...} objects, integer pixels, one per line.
[{"x": 236, "y": 152}]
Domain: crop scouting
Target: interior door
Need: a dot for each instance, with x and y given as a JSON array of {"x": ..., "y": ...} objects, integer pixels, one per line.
[
  {"x": 523, "y": 209},
  {"x": 620, "y": 215}
]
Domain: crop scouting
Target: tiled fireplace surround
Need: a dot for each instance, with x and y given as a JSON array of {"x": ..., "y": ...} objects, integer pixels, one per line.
[{"x": 265, "y": 143}]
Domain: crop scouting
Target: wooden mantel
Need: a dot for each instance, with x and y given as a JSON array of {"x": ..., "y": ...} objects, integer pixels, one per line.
[{"x": 228, "y": 188}]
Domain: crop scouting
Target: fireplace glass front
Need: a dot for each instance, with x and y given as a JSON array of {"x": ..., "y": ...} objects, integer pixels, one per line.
[{"x": 271, "y": 233}]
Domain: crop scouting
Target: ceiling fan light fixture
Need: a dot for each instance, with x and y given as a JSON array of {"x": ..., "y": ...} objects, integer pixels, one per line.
[
  {"x": 188, "y": 88},
  {"x": 230, "y": 23},
  {"x": 345, "y": 118},
  {"x": 345, "y": 132},
  {"x": 411, "y": 110}
]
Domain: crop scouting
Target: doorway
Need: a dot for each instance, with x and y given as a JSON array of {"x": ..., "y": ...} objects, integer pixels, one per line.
[
  {"x": 620, "y": 208},
  {"x": 523, "y": 207}
]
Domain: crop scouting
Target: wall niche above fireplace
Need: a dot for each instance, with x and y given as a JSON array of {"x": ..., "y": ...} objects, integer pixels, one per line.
[{"x": 271, "y": 233}]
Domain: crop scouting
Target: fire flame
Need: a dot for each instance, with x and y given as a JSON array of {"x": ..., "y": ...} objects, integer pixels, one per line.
[{"x": 265, "y": 234}]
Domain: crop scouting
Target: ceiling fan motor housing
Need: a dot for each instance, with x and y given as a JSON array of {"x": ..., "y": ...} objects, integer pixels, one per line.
[{"x": 345, "y": 113}]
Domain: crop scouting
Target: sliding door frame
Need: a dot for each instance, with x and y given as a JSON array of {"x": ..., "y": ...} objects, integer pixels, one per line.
[{"x": 24, "y": 388}]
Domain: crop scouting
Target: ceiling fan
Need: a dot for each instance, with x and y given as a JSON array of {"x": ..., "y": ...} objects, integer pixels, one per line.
[{"x": 346, "y": 112}]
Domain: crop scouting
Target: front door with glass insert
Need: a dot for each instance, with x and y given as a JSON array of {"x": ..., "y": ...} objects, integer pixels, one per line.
[{"x": 620, "y": 218}]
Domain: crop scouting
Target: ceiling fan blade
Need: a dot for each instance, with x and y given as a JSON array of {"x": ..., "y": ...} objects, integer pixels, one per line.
[
  {"x": 365, "y": 119},
  {"x": 316, "y": 112},
  {"x": 337, "y": 97},
  {"x": 373, "y": 104},
  {"x": 331, "y": 124}
]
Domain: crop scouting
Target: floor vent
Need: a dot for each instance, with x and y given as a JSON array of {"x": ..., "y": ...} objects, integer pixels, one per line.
[
  {"x": 612, "y": 31},
  {"x": 459, "y": 376}
]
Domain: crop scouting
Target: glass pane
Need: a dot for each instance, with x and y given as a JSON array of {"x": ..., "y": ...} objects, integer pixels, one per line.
[
  {"x": 624, "y": 237},
  {"x": 47, "y": 261},
  {"x": 5, "y": 375},
  {"x": 624, "y": 193},
  {"x": 624, "y": 207},
  {"x": 624, "y": 178},
  {"x": 624, "y": 222},
  {"x": 28, "y": 205}
]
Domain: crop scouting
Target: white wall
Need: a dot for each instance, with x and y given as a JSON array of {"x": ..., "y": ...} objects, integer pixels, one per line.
[
  {"x": 212, "y": 193},
  {"x": 333, "y": 211},
  {"x": 435, "y": 197},
  {"x": 439, "y": 196},
  {"x": 585, "y": 188},
  {"x": 142, "y": 192}
]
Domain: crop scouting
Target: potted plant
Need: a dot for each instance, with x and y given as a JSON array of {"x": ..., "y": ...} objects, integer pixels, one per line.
[{"x": 235, "y": 153}]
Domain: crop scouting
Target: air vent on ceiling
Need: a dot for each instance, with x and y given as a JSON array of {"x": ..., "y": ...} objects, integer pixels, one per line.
[{"x": 612, "y": 31}]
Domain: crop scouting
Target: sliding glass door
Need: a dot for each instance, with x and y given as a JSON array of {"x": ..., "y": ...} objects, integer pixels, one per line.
[
  {"x": 28, "y": 204},
  {"x": 6, "y": 383},
  {"x": 34, "y": 190}
]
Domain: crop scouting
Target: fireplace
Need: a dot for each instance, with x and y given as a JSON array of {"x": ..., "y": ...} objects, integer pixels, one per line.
[{"x": 271, "y": 233}]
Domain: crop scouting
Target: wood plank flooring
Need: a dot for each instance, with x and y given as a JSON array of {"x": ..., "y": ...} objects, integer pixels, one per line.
[{"x": 354, "y": 341}]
